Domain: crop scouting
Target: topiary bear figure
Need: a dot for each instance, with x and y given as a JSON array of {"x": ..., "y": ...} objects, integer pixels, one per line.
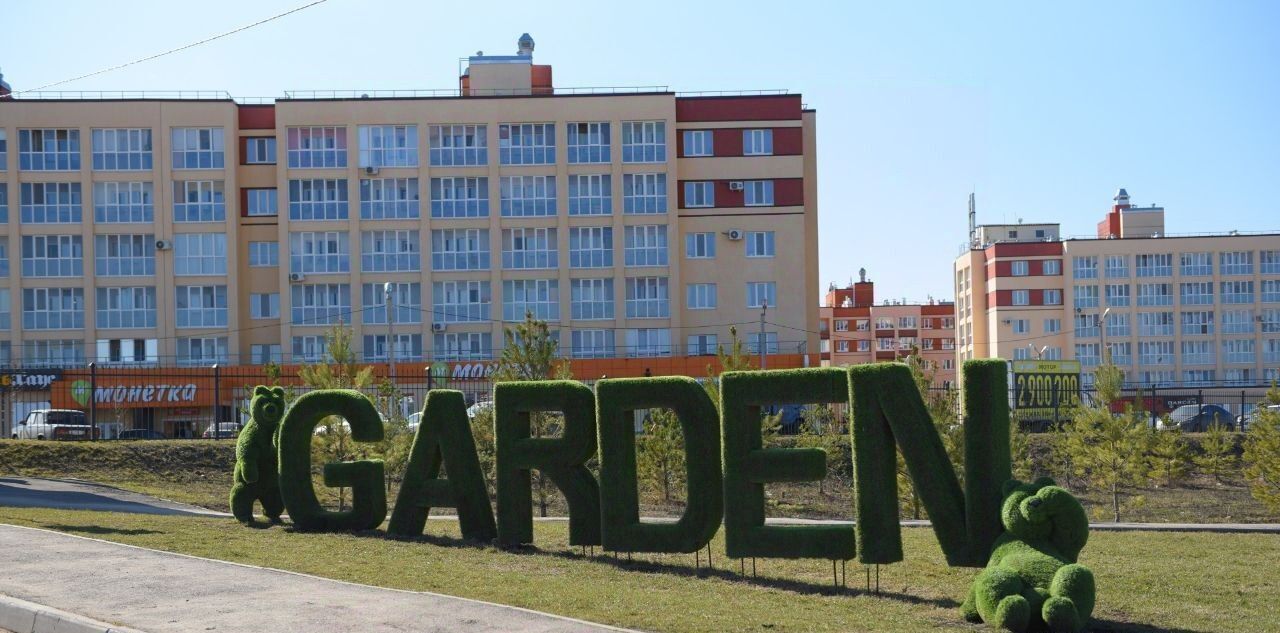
[
  {"x": 256, "y": 476},
  {"x": 1032, "y": 580}
]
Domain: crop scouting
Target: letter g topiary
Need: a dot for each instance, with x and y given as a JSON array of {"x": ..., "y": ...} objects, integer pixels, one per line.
[{"x": 255, "y": 471}]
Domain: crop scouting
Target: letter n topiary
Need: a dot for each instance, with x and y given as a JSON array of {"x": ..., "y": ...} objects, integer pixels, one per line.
[
  {"x": 886, "y": 407},
  {"x": 444, "y": 438},
  {"x": 621, "y": 529},
  {"x": 255, "y": 472},
  {"x": 563, "y": 459},
  {"x": 365, "y": 478},
  {"x": 748, "y": 466}
]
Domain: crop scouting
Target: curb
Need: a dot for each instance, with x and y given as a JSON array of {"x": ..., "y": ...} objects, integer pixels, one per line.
[{"x": 20, "y": 616}]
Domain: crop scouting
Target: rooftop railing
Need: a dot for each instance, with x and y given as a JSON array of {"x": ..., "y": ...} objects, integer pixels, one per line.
[
  {"x": 472, "y": 92},
  {"x": 123, "y": 95}
]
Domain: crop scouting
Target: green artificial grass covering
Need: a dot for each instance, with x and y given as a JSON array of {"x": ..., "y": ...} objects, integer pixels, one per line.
[
  {"x": 365, "y": 478},
  {"x": 255, "y": 476},
  {"x": 563, "y": 459},
  {"x": 621, "y": 528},
  {"x": 444, "y": 438},
  {"x": 748, "y": 466},
  {"x": 987, "y": 456}
]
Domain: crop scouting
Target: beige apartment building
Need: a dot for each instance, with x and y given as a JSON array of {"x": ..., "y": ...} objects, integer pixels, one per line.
[
  {"x": 1170, "y": 310},
  {"x": 195, "y": 229},
  {"x": 854, "y": 329}
]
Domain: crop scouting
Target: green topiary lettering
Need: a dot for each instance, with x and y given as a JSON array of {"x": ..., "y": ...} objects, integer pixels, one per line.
[{"x": 443, "y": 438}]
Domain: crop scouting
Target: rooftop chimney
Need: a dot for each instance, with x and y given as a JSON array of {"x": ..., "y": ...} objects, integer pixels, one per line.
[{"x": 506, "y": 75}]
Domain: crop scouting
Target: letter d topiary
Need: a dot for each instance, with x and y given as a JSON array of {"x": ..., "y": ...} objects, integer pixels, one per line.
[{"x": 365, "y": 478}]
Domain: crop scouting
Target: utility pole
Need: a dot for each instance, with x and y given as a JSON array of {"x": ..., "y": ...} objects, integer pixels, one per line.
[
  {"x": 764, "y": 307},
  {"x": 389, "y": 289}
]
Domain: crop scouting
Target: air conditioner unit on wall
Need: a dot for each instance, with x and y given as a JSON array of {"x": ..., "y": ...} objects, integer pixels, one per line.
[
  {"x": 296, "y": 276},
  {"x": 735, "y": 185},
  {"x": 163, "y": 245},
  {"x": 437, "y": 327},
  {"x": 371, "y": 171},
  {"x": 734, "y": 234}
]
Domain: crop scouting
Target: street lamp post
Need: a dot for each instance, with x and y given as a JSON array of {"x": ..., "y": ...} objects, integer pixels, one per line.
[
  {"x": 389, "y": 290},
  {"x": 1106, "y": 351}
]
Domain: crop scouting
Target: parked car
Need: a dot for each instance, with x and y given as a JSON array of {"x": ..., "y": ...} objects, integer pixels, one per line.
[
  {"x": 1245, "y": 419},
  {"x": 224, "y": 430},
  {"x": 1197, "y": 418},
  {"x": 140, "y": 434},
  {"x": 414, "y": 420},
  {"x": 477, "y": 408},
  {"x": 54, "y": 424}
]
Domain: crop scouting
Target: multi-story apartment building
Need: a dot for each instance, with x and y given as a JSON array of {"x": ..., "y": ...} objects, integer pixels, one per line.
[
  {"x": 639, "y": 222},
  {"x": 1170, "y": 310},
  {"x": 853, "y": 329}
]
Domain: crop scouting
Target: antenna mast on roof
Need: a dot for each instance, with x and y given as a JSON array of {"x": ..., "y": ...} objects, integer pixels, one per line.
[{"x": 973, "y": 222}]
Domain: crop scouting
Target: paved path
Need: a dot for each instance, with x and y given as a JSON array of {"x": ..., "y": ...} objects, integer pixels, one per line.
[
  {"x": 159, "y": 592},
  {"x": 67, "y": 494}
]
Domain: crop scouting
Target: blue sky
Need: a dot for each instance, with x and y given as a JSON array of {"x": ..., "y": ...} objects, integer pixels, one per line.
[{"x": 1043, "y": 109}]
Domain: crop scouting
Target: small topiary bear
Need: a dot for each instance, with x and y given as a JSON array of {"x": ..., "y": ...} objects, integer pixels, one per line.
[
  {"x": 256, "y": 476},
  {"x": 1032, "y": 580}
]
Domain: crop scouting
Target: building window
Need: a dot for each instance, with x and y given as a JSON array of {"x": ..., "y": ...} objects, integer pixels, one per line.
[
  {"x": 122, "y": 149},
  {"x": 1236, "y": 263},
  {"x": 1240, "y": 376},
  {"x": 49, "y": 150},
  {"x": 1198, "y": 353},
  {"x": 261, "y": 202},
  {"x": 1271, "y": 290},
  {"x": 320, "y": 304},
  {"x": 703, "y": 345},
  {"x": 1235, "y": 292},
  {"x": 127, "y": 351},
  {"x": 199, "y": 201},
  {"x": 317, "y": 147},
  {"x": 124, "y": 255},
  {"x": 862, "y": 325},
  {"x": 760, "y": 244},
  {"x": 699, "y": 143},
  {"x": 701, "y": 296},
  {"x": 757, "y": 142},
  {"x": 319, "y": 252},
  {"x": 527, "y": 143},
  {"x": 123, "y": 202},
  {"x": 864, "y": 345},
  {"x": 1086, "y": 296},
  {"x": 463, "y": 346},
  {"x": 699, "y": 193},
  {"x": 1121, "y": 353},
  {"x": 589, "y": 142},
  {"x": 263, "y": 255},
  {"x": 591, "y": 344},
  {"x": 644, "y": 142},
  {"x": 1089, "y": 354},
  {"x": 591, "y": 299},
  {"x": 260, "y": 150},
  {"x": 758, "y": 193},
  {"x": 591, "y": 247},
  {"x": 1154, "y": 265},
  {"x": 1088, "y": 326},
  {"x": 646, "y": 245},
  {"x": 648, "y": 342},
  {"x": 1117, "y": 266},
  {"x": 318, "y": 199},
  {"x": 1269, "y": 262},
  {"x": 264, "y": 305},
  {"x": 1020, "y": 268},
  {"x": 1196, "y": 293},
  {"x": 1117, "y": 325},
  {"x": 1238, "y": 351},
  {"x": 390, "y": 251},
  {"x": 130, "y": 307},
  {"x": 1197, "y": 323},
  {"x": 529, "y": 248},
  {"x": 644, "y": 193},
  {"x": 1051, "y": 267},
  {"x": 4, "y": 151},
  {"x": 1270, "y": 321},
  {"x": 1085, "y": 267},
  {"x": 389, "y": 199},
  {"x": 388, "y": 145},
  {"x": 406, "y": 296},
  {"x": 197, "y": 148},
  {"x": 1196, "y": 264},
  {"x": 264, "y": 353},
  {"x": 312, "y": 348},
  {"x": 202, "y": 350},
  {"x": 700, "y": 245},
  {"x": 408, "y": 347},
  {"x": 1155, "y": 324},
  {"x": 1021, "y": 297},
  {"x": 200, "y": 254},
  {"x": 55, "y": 353},
  {"x": 1156, "y": 378},
  {"x": 539, "y": 297},
  {"x": 201, "y": 306},
  {"x": 590, "y": 194},
  {"x": 1052, "y": 297},
  {"x": 770, "y": 342},
  {"x": 460, "y": 249},
  {"x": 459, "y": 197},
  {"x": 647, "y": 298},
  {"x": 52, "y": 256},
  {"x": 884, "y": 323},
  {"x": 51, "y": 202},
  {"x": 524, "y": 196},
  {"x": 459, "y": 145},
  {"x": 4, "y": 200},
  {"x": 1155, "y": 294},
  {"x": 1021, "y": 326},
  {"x": 1237, "y": 321},
  {"x": 461, "y": 301},
  {"x": 52, "y": 308}
]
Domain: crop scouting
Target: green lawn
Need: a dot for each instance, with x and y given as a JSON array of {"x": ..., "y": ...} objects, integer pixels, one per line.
[{"x": 1147, "y": 581}]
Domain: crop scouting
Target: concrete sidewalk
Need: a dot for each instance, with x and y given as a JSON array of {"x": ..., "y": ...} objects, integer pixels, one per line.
[
  {"x": 159, "y": 592},
  {"x": 75, "y": 494}
]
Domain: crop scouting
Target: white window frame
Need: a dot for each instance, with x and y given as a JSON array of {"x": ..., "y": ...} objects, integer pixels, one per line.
[
  {"x": 461, "y": 301},
  {"x": 199, "y": 254},
  {"x": 590, "y": 194},
  {"x": 122, "y": 149},
  {"x": 459, "y": 145},
  {"x": 757, "y": 142},
  {"x": 47, "y": 256},
  {"x": 591, "y": 247},
  {"x": 124, "y": 255},
  {"x": 591, "y": 299},
  {"x": 530, "y": 248},
  {"x": 445, "y": 202},
  {"x": 319, "y": 304},
  {"x": 318, "y": 199},
  {"x": 448, "y": 252},
  {"x": 197, "y": 148},
  {"x": 388, "y": 145},
  {"x": 761, "y": 244},
  {"x": 699, "y": 143},
  {"x": 699, "y": 194},
  {"x": 262, "y": 202},
  {"x": 50, "y": 203},
  {"x": 264, "y": 305},
  {"x": 644, "y": 141},
  {"x": 200, "y": 306},
  {"x": 528, "y": 196},
  {"x": 648, "y": 298},
  {"x": 316, "y": 147},
  {"x": 199, "y": 201},
  {"x": 527, "y": 143},
  {"x": 123, "y": 202},
  {"x": 700, "y": 245},
  {"x": 588, "y": 142},
  {"x": 757, "y": 193},
  {"x": 644, "y": 194},
  {"x": 389, "y": 199},
  {"x": 319, "y": 252},
  {"x": 701, "y": 296},
  {"x": 541, "y": 297},
  {"x": 646, "y": 245}
]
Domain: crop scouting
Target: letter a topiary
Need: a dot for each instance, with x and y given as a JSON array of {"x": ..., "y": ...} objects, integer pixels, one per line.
[
  {"x": 748, "y": 466},
  {"x": 1032, "y": 580},
  {"x": 365, "y": 478},
  {"x": 563, "y": 459},
  {"x": 444, "y": 438},
  {"x": 255, "y": 472},
  {"x": 621, "y": 529}
]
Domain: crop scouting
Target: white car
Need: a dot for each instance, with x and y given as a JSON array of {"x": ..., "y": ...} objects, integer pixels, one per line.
[
  {"x": 54, "y": 424},
  {"x": 477, "y": 408}
]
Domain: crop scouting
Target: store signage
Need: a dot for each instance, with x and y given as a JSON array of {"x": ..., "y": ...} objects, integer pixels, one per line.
[
  {"x": 135, "y": 394},
  {"x": 21, "y": 380}
]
